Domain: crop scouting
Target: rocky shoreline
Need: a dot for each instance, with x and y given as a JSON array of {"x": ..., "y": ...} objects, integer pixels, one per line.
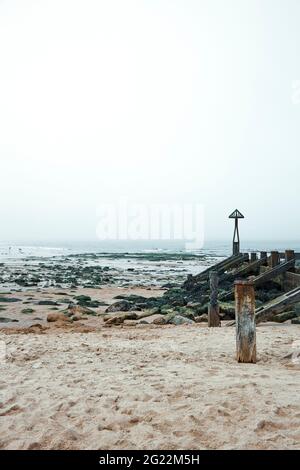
[
  {"x": 116, "y": 289},
  {"x": 83, "y": 286}
]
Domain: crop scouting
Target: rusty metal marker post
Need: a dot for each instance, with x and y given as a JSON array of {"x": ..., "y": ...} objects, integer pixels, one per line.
[
  {"x": 213, "y": 308},
  {"x": 245, "y": 321}
]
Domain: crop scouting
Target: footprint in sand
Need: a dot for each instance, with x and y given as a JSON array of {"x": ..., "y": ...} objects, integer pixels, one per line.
[{"x": 13, "y": 409}]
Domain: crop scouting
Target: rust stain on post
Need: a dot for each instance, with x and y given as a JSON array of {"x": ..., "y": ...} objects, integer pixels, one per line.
[{"x": 245, "y": 321}]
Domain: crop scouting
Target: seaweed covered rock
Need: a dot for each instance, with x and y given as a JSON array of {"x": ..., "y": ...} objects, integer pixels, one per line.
[
  {"x": 48, "y": 302},
  {"x": 282, "y": 317},
  {"x": 86, "y": 301},
  {"x": 180, "y": 320},
  {"x": 27, "y": 310},
  {"x": 7, "y": 320},
  {"x": 121, "y": 306},
  {"x": 227, "y": 310},
  {"x": 186, "y": 312},
  {"x": 9, "y": 300},
  {"x": 175, "y": 297}
]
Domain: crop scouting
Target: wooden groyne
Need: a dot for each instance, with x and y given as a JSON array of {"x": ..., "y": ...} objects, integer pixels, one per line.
[
  {"x": 274, "y": 276},
  {"x": 281, "y": 269}
]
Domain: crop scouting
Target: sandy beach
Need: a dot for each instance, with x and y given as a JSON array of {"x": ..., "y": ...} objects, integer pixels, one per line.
[
  {"x": 149, "y": 237},
  {"x": 96, "y": 384},
  {"x": 149, "y": 387}
]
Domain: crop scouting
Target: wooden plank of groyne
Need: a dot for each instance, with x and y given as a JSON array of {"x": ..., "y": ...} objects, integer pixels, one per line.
[
  {"x": 291, "y": 280},
  {"x": 222, "y": 266},
  {"x": 243, "y": 270},
  {"x": 264, "y": 277},
  {"x": 277, "y": 305},
  {"x": 274, "y": 272}
]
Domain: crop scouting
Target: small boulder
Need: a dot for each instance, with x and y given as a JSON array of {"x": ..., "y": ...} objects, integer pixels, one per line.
[
  {"x": 159, "y": 320},
  {"x": 27, "y": 310},
  {"x": 147, "y": 313},
  {"x": 53, "y": 317},
  {"x": 180, "y": 320},
  {"x": 7, "y": 320},
  {"x": 283, "y": 317},
  {"x": 227, "y": 310},
  {"x": 186, "y": 312},
  {"x": 130, "y": 322},
  {"x": 166, "y": 310},
  {"x": 79, "y": 310},
  {"x": 82, "y": 299},
  {"x": 119, "y": 318},
  {"x": 86, "y": 301},
  {"x": 77, "y": 318},
  {"x": 121, "y": 306},
  {"x": 202, "y": 318},
  {"x": 196, "y": 307},
  {"x": 9, "y": 299},
  {"x": 47, "y": 302}
]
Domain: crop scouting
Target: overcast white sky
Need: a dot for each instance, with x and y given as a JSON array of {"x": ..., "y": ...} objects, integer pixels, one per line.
[{"x": 153, "y": 100}]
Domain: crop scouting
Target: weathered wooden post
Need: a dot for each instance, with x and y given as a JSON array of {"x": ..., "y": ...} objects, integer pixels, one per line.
[
  {"x": 289, "y": 255},
  {"x": 253, "y": 256},
  {"x": 245, "y": 321},
  {"x": 213, "y": 308},
  {"x": 264, "y": 256},
  {"x": 274, "y": 259}
]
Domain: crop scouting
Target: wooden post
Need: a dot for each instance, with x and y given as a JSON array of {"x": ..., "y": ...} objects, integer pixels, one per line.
[
  {"x": 213, "y": 308},
  {"x": 289, "y": 254},
  {"x": 274, "y": 259},
  {"x": 245, "y": 321},
  {"x": 264, "y": 256},
  {"x": 253, "y": 257}
]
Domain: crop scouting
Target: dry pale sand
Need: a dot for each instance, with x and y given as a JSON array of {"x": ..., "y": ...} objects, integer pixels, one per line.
[{"x": 149, "y": 388}]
